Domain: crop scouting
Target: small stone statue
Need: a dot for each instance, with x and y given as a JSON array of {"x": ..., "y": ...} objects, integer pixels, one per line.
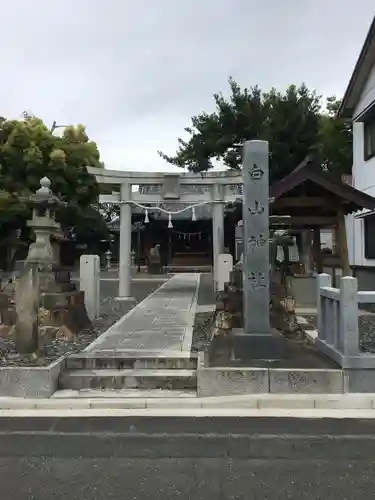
[
  {"x": 108, "y": 260},
  {"x": 154, "y": 264}
]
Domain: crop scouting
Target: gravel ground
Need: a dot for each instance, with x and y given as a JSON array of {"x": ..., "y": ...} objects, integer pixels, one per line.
[
  {"x": 366, "y": 326},
  {"x": 202, "y": 331},
  {"x": 203, "y": 321},
  {"x": 111, "y": 311}
]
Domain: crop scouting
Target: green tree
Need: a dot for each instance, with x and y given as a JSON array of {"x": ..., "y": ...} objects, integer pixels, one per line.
[
  {"x": 293, "y": 122},
  {"x": 335, "y": 140},
  {"x": 30, "y": 151}
]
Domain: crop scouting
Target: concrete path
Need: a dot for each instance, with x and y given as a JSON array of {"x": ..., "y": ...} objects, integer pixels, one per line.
[{"x": 161, "y": 324}]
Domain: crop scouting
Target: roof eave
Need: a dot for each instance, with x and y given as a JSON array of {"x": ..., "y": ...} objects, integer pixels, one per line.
[{"x": 350, "y": 98}]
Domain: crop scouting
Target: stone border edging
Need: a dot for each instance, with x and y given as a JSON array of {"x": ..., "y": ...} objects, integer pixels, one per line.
[
  {"x": 188, "y": 337},
  {"x": 192, "y": 413},
  {"x": 265, "y": 402},
  {"x": 30, "y": 381}
]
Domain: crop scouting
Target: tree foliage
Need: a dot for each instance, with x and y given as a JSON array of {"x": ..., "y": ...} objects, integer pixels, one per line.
[
  {"x": 335, "y": 140},
  {"x": 109, "y": 211},
  {"x": 29, "y": 151},
  {"x": 294, "y": 122}
]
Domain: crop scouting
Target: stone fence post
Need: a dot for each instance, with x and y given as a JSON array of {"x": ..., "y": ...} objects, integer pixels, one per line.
[
  {"x": 89, "y": 282},
  {"x": 349, "y": 333},
  {"x": 225, "y": 267},
  {"x": 322, "y": 280}
]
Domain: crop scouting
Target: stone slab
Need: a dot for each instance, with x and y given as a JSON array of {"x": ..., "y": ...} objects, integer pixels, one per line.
[
  {"x": 132, "y": 362},
  {"x": 136, "y": 373},
  {"x": 306, "y": 381},
  {"x": 30, "y": 382},
  {"x": 128, "y": 379},
  {"x": 136, "y": 353},
  {"x": 223, "y": 382},
  {"x": 359, "y": 381},
  {"x": 124, "y": 393},
  {"x": 258, "y": 346}
]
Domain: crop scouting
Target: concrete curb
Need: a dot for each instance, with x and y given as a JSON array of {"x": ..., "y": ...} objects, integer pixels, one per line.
[
  {"x": 272, "y": 402},
  {"x": 193, "y": 413}
]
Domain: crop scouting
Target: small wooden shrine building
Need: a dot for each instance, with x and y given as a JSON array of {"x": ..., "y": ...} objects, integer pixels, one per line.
[{"x": 313, "y": 200}]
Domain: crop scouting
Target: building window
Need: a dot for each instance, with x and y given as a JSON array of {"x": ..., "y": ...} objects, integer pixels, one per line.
[
  {"x": 369, "y": 138},
  {"x": 369, "y": 226}
]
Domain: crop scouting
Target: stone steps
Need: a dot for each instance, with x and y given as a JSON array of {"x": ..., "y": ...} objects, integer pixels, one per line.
[
  {"x": 148, "y": 349},
  {"x": 124, "y": 394},
  {"x": 128, "y": 379},
  {"x": 133, "y": 361}
]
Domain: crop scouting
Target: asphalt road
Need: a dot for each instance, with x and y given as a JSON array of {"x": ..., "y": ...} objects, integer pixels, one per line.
[{"x": 185, "y": 458}]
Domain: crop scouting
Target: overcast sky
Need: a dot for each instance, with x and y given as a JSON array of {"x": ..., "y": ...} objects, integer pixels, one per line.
[{"x": 135, "y": 71}]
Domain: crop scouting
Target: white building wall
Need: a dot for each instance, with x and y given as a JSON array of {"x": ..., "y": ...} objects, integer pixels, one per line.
[
  {"x": 363, "y": 177},
  {"x": 368, "y": 94}
]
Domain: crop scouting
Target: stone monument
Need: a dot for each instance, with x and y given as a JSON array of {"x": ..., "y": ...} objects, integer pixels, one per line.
[
  {"x": 27, "y": 310},
  {"x": 257, "y": 340}
]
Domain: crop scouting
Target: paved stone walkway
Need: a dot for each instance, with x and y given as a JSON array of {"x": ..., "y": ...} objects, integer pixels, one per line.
[{"x": 161, "y": 324}]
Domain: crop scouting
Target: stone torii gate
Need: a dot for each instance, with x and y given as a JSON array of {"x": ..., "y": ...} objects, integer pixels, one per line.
[{"x": 168, "y": 189}]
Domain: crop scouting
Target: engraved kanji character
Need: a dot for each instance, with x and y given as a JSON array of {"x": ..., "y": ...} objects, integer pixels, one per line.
[
  {"x": 255, "y": 172},
  {"x": 258, "y": 208}
]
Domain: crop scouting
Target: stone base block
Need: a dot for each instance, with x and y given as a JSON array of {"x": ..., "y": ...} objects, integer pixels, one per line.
[
  {"x": 154, "y": 268},
  {"x": 224, "y": 382},
  {"x": 359, "y": 380},
  {"x": 258, "y": 346},
  {"x": 30, "y": 381},
  {"x": 306, "y": 381}
]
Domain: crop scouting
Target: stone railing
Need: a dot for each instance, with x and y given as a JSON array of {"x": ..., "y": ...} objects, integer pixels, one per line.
[{"x": 338, "y": 328}]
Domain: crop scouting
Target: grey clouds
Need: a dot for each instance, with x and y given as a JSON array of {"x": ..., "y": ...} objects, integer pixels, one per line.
[{"x": 134, "y": 72}]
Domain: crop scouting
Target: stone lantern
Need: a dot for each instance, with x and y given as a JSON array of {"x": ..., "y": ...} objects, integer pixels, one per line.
[
  {"x": 45, "y": 304},
  {"x": 44, "y": 225}
]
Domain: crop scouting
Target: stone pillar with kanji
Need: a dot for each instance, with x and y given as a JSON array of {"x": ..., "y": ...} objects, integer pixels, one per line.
[{"x": 257, "y": 340}]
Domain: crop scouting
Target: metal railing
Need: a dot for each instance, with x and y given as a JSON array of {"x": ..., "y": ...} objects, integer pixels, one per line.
[{"x": 338, "y": 328}]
